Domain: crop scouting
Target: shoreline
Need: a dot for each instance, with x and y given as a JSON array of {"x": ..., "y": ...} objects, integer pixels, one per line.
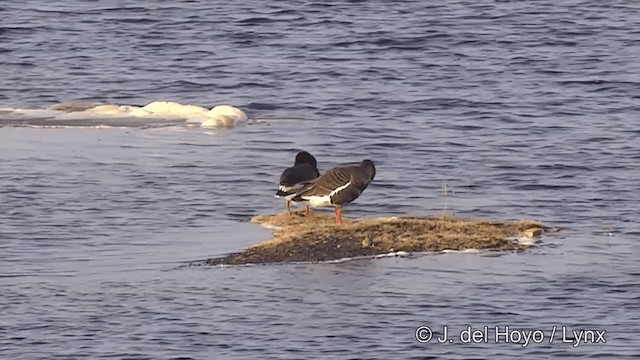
[{"x": 317, "y": 238}]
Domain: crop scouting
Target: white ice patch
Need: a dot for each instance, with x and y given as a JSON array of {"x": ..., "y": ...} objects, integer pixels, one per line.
[
  {"x": 402, "y": 254},
  {"x": 393, "y": 253},
  {"x": 465, "y": 251},
  {"x": 224, "y": 116},
  {"x": 219, "y": 116}
]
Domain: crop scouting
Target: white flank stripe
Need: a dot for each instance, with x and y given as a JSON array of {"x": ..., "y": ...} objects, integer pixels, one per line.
[
  {"x": 318, "y": 201},
  {"x": 338, "y": 189}
]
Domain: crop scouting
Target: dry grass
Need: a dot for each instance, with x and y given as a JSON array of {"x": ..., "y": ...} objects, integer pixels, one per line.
[{"x": 319, "y": 238}]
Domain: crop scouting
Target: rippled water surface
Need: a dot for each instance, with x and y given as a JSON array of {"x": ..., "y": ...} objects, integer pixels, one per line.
[{"x": 524, "y": 109}]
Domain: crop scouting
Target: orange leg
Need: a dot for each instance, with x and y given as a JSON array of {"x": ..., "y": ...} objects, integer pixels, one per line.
[
  {"x": 288, "y": 207},
  {"x": 308, "y": 212},
  {"x": 338, "y": 215}
]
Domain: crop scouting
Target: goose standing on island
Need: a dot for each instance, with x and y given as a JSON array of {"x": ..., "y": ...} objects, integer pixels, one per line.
[
  {"x": 294, "y": 178},
  {"x": 337, "y": 187}
]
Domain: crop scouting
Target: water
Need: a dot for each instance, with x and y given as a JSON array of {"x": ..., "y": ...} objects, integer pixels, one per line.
[{"x": 525, "y": 109}]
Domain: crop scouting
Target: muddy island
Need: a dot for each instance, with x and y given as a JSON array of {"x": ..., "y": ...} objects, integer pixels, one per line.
[{"x": 316, "y": 238}]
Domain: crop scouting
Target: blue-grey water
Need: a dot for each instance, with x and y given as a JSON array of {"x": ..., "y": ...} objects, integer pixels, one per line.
[{"x": 524, "y": 109}]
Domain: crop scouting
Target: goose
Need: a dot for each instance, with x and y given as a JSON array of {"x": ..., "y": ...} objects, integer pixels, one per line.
[
  {"x": 294, "y": 178},
  {"x": 337, "y": 187}
]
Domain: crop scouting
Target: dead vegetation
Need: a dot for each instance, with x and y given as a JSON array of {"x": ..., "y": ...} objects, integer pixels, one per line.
[{"x": 319, "y": 238}]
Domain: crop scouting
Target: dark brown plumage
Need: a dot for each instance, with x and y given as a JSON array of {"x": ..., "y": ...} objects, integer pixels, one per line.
[
  {"x": 293, "y": 178},
  {"x": 337, "y": 187}
]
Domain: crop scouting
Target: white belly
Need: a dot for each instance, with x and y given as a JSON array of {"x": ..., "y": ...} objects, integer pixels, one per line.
[{"x": 318, "y": 201}]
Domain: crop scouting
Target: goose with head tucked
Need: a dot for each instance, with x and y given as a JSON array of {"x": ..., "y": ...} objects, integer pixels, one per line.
[
  {"x": 337, "y": 187},
  {"x": 303, "y": 171}
]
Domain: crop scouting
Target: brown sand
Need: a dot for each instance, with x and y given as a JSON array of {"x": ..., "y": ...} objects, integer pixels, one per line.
[{"x": 319, "y": 238}]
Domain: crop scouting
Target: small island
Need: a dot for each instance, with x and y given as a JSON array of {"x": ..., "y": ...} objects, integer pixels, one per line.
[{"x": 317, "y": 238}]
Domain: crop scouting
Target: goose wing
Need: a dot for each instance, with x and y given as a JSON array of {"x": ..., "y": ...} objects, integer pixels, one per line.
[{"x": 330, "y": 182}]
